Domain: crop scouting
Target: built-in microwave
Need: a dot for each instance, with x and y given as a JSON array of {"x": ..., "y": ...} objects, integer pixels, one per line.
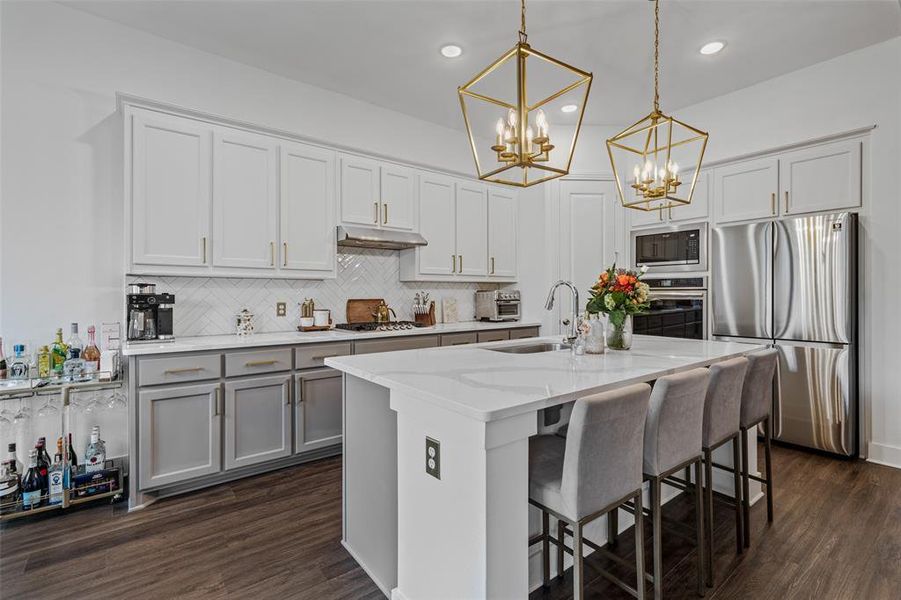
[{"x": 675, "y": 248}]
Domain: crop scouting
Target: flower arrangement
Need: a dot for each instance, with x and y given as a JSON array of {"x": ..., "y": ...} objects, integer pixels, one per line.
[{"x": 619, "y": 293}]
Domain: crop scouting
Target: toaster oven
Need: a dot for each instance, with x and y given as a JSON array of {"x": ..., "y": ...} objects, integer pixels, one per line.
[{"x": 497, "y": 305}]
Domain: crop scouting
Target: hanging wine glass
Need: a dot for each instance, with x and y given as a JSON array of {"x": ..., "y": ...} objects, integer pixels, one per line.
[
  {"x": 6, "y": 413},
  {"x": 48, "y": 409},
  {"x": 116, "y": 401},
  {"x": 23, "y": 414},
  {"x": 90, "y": 405}
]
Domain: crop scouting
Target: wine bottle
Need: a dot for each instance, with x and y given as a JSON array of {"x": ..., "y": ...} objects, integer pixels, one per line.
[
  {"x": 91, "y": 353},
  {"x": 11, "y": 456},
  {"x": 32, "y": 483},
  {"x": 43, "y": 462}
]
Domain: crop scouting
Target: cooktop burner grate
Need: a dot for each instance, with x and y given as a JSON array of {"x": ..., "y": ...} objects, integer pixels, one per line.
[{"x": 373, "y": 326}]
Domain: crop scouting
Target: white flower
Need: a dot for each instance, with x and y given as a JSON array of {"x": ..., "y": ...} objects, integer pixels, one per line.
[
  {"x": 609, "y": 302},
  {"x": 644, "y": 269}
]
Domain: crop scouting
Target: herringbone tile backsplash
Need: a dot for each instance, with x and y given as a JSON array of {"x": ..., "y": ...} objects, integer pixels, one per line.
[{"x": 207, "y": 305}]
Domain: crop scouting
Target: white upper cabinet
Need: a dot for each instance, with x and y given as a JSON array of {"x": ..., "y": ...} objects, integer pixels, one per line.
[
  {"x": 171, "y": 161},
  {"x": 437, "y": 216},
  {"x": 360, "y": 191},
  {"x": 472, "y": 229},
  {"x": 398, "y": 192},
  {"x": 746, "y": 190},
  {"x": 245, "y": 200},
  {"x": 643, "y": 218},
  {"x": 501, "y": 233},
  {"x": 699, "y": 208},
  {"x": 307, "y": 208},
  {"x": 824, "y": 177}
]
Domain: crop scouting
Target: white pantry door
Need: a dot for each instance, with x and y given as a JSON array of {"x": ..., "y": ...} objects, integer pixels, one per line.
[
  {"x": 171, "y": 162},
  {"x": 307, "y": 205},
  {"x": 245, "y": 200}
]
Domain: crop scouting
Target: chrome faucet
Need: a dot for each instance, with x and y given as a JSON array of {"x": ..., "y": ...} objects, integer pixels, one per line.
[{"x": 573, "y": 323}]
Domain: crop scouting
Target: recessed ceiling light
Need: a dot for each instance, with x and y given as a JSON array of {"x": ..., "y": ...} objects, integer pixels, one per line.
[
  {"x": 712, "y": 47},
  {"x": 568, "y": 108},
  {"x": 451, "y": 51}
]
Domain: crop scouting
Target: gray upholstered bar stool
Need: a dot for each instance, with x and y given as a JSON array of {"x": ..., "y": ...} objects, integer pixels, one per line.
[
  {"x": 756, "y": 408},
  {"x": 722, "y": 409},
  {"x": 672, "y": 442},
  {"x": 584, "y": 476}
]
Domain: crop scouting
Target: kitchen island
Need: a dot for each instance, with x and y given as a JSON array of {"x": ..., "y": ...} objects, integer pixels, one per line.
[{"x": 458, "y": 527}]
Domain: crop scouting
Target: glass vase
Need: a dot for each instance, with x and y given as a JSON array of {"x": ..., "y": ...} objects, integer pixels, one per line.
[
  {"x": 594, "y": 338},
  {"x": 619, "y": 336}
]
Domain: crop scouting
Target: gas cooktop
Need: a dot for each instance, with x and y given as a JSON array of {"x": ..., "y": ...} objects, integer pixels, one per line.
[{"x": 373, "y": 326}]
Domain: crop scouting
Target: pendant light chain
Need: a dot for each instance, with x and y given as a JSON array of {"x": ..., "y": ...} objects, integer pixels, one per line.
[
  {"x": 656, "y": 55},
  {"x": 522, "y": 26}
]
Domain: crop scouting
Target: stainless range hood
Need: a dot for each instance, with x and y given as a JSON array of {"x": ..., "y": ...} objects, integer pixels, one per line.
[{"x": 369, "y": 237}]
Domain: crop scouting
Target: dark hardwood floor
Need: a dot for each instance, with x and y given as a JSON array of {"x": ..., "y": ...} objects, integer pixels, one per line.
[{"x": 837, "y": 535}]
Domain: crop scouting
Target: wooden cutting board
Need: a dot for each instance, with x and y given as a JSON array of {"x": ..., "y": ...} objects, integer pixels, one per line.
[{"x": 360, "y": 310}]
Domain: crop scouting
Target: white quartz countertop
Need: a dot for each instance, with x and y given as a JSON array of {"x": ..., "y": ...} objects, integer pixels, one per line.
[
  {"x": 485, "y": 385},
  {"x": 292, "y": 338}
]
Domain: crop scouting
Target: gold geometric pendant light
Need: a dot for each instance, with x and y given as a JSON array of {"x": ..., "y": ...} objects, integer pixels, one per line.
[
  {"x": 509, "y": 122},
  {"x": 656, "y": 161}
]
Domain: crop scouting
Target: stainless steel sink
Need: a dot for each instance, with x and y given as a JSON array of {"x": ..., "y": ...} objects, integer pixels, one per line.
[{"x": 532, "y": 348}]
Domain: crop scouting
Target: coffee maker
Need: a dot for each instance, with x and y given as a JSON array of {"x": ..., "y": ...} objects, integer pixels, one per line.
[{"x": 149, "y": 314}]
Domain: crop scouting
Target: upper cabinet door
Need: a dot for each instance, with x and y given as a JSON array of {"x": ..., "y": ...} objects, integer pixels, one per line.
[
  {"x": 699, "y": 206},
  {"x": 307, "y": 208},
  {"x": 746, "y": 190},
  {"x": 501, "y": 233},
  {"x": 643, "y": 218},
  {"x": 360, "y": 191},
  {"x": 825, "y": 177},
  {"x": 437, "y": 215},
  {"x": 398, "y": 190},
  {"x": 245, "y": 200},
  {"x": 472, "y": 229},
  {"x": 171, "y": 163}
]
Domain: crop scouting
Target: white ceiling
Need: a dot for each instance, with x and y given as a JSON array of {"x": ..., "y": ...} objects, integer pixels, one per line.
[{"x": 386, "y": 52}]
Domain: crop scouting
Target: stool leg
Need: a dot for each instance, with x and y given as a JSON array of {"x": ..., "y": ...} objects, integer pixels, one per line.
[
  {"x": 639, "y": 546},
  {"x": 578, "y": 566},
  {"x": 746, "y": 487},
  {"x": 699, "y": 526},
  {"x": 545, "y": 549},
  {"x": 560, "y": 535},
  {"x": 708, "y": 514},
  {"x": 657, "y": 535},
  {"x": 612, "y": 527},
  {"x": 688, "y": 475},
  {"x": 739, "y": 505},
  {"x": 769, "y": 469}
]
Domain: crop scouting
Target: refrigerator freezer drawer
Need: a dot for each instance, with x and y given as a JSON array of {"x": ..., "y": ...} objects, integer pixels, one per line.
[
  {"x": 740, "y": 280},
  {"x": 815, "y": 403}
]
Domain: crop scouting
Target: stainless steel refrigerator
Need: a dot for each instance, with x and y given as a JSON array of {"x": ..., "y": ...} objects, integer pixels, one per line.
[{"x": 792, "y": 283}]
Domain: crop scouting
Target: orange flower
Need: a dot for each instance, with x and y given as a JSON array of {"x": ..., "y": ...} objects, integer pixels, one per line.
[{"x": 623, "y": 280}]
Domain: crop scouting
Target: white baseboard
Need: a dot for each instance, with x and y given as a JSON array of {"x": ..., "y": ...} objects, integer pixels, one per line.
[
  {"x": 884, "y": 454},
  {"x": 394, "y": 594}
]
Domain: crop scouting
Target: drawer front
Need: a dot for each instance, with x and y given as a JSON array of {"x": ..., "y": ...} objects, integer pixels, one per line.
[
  {"x": 257, "y": 361},
  {"x": 404, "y": 343},
  {"x": 494, "y": 336},
  {"x": 179, "y": 369},
  {"x": 526, "y": 332},
  {"x": 459, "y": 339},
  {"x": 314, "y": 355}
]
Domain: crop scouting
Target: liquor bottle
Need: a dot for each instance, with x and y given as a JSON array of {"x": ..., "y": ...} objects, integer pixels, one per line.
[
  {"x": 74, "y": 341},
  {"x": 74, "y": 367},
  {"x": 43, "y": 462},
  {"x": 44, "y": 362},
  {"x": 11, "y": 456},
  {"x": 95, "y": 453},
  {"x": 56, "y": 478},
  {"x": 73, "y": 458},
  {"x": 2, "y": 361},
  {"x": 18, "y": 367},
  {"x": 9, "y": 487},
  {"x": 68, "y": 476},
  {"x": 91, "y": 354},
  {"x": 58, "y": 353},
  {"x": 32, "y": 483}
]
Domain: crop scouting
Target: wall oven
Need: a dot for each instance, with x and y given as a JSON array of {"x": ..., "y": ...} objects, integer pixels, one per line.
[
  {"x": 675, "y": 248},
  {"x": 678, "y": 308}
]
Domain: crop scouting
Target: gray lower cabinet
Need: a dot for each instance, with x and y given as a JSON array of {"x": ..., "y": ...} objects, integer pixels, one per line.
[
  {"x": 179, "y": 434},
  {"x": 459, "y": 339},
  {"x": 318, "y": 421},
  {"x": 494, "y": 336},
  {"x": 525, "y": 332},
  {"x": 257, "y": 420}
]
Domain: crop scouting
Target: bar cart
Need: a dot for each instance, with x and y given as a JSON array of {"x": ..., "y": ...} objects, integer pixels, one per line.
[{"x": 59, "y": 422}]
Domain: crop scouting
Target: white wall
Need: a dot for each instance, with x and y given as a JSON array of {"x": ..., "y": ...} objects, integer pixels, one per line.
[{"x": 61, "y": 233}]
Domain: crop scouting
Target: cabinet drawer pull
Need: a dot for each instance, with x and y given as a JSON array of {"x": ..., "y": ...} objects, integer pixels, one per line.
[
  {"x": 460, "y": 343},
  {"x": 461, "y": 263},
  {"x": 285, "y": 254},
  {"x": 183, "y": 370},
  {"x": 385, "y": 216},
  {"x": 375, "y": 205},
  {"x": 773, "y": 203},
  {"x": 786, "y": 201},
  {"x": 271, "y": 254},
  {"x": 324, "y": 356},
  {"x": 260, "y": 363},
  {"x": 204, "y": 249},
  {"x": 492, "y": 265},
  {"x": 453, "y": 263}
]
